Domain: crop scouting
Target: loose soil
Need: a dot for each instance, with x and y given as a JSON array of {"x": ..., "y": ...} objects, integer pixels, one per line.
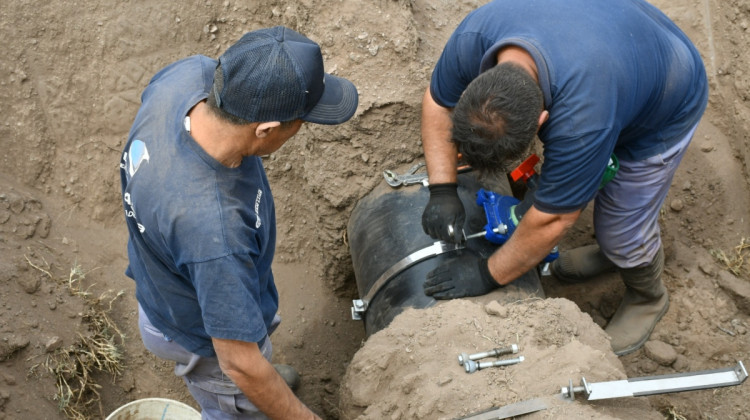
[{"x": 70, "y": 79}]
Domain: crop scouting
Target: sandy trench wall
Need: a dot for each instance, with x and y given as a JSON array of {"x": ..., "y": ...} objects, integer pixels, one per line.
[
  {"x": 720, "y": 30},
  {"x": 732, "y": 72},
  {"x": 74, "y": 75}
]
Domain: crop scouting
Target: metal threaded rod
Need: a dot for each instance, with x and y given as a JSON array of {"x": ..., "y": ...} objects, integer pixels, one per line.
[
  {"x": 502, "y": 229},
  {"x": 471, "y": 366},
  {"x": 512, "y": 349}
]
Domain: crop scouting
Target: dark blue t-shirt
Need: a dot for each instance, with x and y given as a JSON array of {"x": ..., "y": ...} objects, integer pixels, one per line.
[
  {"x": 616, "y": 75},
  {"x": 202, "y": 236}
]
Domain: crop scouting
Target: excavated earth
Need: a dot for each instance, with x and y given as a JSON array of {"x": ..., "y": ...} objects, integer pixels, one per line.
[{"x": 70, "y": 80}]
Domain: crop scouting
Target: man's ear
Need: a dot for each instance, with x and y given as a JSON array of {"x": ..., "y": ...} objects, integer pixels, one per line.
[
  {"x": 263, "y": 129},
  {"x": 542, "y": 119}
]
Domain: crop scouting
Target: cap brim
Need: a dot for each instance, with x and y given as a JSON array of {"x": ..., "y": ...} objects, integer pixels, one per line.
[{"x": 338, "y": 103}]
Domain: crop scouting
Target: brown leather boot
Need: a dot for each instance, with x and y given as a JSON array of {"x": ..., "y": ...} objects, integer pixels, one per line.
[
  {"x": 645, "y": 302},
  {"x": 581, "y": 264}
]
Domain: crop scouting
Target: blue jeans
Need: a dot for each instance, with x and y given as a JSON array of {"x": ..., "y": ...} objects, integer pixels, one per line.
[
  {"x": 218, "y": 396},
  {"x": 626, "y": 210}
]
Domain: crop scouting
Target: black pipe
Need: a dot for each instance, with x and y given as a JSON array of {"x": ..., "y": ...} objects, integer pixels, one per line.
[{"x": 386, "y": 226}]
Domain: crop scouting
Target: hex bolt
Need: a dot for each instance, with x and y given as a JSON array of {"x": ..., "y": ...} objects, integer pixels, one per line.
[
  {"x": 463, "y": 357},
  {"x": 569, "y": 392},
  {"x": 471, "y": 366}
]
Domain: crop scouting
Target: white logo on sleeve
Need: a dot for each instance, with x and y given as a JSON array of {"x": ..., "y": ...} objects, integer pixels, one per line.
[
  {"x": 257, "y": 208},
  {"x": 138, "y": 155},
  {"x": 131, "y": 160}
]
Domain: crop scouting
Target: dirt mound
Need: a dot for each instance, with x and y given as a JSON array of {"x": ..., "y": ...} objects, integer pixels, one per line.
[{"x": 410, "y": 369}]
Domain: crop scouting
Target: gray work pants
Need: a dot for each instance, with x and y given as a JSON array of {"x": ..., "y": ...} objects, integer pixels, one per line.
[
  {"x": 218, "y": 396},
  {"x": 626, "y": 210}
]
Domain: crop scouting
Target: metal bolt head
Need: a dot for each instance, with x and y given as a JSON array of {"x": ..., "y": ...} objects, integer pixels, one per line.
[
  {"x": 470, "y": 366},
  {"x": 462, "y": 358}
]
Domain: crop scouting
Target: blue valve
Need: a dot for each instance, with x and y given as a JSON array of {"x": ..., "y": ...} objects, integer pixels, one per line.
[
  {"x": 500, "y": 211},
  {"x": 552, "y": 255}
]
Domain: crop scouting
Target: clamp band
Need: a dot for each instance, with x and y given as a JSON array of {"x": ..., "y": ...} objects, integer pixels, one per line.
[{"x": 360, "y": 305}]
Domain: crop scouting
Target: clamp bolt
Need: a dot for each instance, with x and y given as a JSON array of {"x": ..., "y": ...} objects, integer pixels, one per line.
[
  {"x": 464, "y": 357},
  {"x": 471, "y": 366},
  {"x": 570, "y": 391}
]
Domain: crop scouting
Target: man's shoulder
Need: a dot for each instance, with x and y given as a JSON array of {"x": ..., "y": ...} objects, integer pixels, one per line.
[
  {"x": 196, "y": 68},
  {"x": 176, "y": 88}
]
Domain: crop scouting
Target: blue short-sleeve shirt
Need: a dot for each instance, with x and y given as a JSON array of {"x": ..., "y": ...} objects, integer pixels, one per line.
[
  {"x": 201, "y": 235},
  {"x": 617, "y": 76}
]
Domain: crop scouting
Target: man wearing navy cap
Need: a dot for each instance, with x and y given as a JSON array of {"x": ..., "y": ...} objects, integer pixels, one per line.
[
  {"x": 201, "y": 217},
  {"x": 593, "y": 78}
]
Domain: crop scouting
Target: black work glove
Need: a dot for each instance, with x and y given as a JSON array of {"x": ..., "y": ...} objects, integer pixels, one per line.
[
  {"x": 444, "y": 209},
  {"x": 466, "y": 274}
]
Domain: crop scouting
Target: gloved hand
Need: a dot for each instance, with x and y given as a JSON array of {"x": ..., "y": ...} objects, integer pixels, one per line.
[
  {"x": 466, "y": 274},
  {"x": 444, "y": 209}
]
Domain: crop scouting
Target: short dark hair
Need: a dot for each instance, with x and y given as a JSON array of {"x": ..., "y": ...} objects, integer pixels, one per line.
[
  {"x": 496, "y": 117},
  {"x": 224, "y": 115}
]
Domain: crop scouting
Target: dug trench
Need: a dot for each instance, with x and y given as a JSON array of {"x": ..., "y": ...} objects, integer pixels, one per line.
[{"x": 69, "y": 343}]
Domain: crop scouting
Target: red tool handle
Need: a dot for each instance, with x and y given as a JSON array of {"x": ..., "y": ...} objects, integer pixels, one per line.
[{"x": 525, "y": 170}]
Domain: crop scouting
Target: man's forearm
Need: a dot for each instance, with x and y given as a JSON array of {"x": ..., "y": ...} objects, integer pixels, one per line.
[
  {"x": 268, "y": 391},
  {"x": 440, "y": 153},
  {"x": 532, "y": 240},
  {"x": 258, "y": 380}
]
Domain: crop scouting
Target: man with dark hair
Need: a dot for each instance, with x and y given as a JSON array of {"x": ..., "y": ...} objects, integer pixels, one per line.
[
  {"x": 496, "y": 117},
  {"x": 594, "y": 78},
  {"x": 201, "y": 217}
]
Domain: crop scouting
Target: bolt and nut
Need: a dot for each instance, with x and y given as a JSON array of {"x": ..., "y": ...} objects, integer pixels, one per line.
[
  {"x": 471, "y": 366},
  {"x": 464, "y": 357},
  {"x": 569, "y": 392}
]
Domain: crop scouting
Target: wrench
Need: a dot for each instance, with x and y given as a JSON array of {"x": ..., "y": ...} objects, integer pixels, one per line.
[{"x": 410, "y": 177}]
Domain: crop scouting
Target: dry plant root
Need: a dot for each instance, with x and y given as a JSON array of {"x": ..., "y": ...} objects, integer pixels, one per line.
[
  {"x": 736, "y": 262},
  {"x": 96, "y": 350}
]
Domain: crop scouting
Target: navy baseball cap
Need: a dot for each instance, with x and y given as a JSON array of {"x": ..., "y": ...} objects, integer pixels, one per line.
[{"x": 276, "y": 74}]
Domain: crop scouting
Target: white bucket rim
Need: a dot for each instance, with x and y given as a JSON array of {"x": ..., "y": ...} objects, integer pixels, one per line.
[{"x": 184, "y": 408}]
